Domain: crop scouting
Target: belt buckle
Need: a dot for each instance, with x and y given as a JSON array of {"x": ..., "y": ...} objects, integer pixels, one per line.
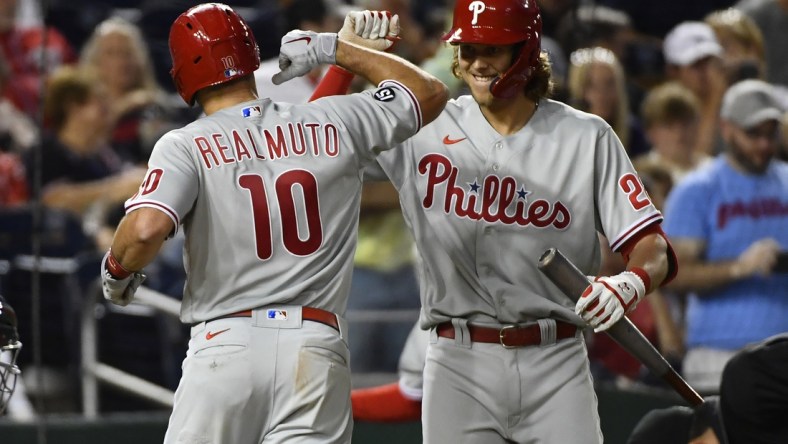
[{"x": 501, "y": 333}]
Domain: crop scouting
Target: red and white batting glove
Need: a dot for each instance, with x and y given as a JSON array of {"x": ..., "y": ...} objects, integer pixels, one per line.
[
  {"x": 608, "y": 298},
  {"x": 118, "y": 284},
  {"x": 377, "y": 30}
]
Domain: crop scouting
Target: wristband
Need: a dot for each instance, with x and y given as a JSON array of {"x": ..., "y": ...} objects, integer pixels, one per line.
[
  {"x": 115, "y": 268},
  {"x": 643, "y": 275}
]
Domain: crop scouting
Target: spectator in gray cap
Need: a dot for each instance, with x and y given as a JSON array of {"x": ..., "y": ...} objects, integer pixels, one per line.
[{"x": 727, "y": 222}]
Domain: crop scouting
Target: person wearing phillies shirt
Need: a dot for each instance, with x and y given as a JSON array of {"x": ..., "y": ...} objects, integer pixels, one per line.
[{"x": 728, "y": 223}]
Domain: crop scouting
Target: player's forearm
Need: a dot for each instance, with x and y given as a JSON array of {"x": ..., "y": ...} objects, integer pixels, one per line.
[
  {"x": 704, "y": 276},
  {"x": 651, "y": 255},
  {"x": 377, "y": 66},
  {"x": 75, "y": 197},
  {"x": 139, "y": 237}
]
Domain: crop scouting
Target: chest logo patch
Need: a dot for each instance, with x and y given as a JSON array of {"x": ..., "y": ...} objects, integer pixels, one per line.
[{"x": 384, "y": 94}]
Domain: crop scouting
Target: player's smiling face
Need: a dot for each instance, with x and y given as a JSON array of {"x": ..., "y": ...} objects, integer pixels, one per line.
[{"x": 479, "y": 65}]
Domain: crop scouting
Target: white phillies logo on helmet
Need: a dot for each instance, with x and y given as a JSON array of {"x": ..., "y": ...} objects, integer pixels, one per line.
[{"x": 477, "y": 7}]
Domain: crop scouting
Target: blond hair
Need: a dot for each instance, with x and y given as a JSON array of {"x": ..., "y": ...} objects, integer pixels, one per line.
[
  {"x": 580, "y": 63},
  {"x": 90, "y": 55},
  {"x": 737, "y": 25}
]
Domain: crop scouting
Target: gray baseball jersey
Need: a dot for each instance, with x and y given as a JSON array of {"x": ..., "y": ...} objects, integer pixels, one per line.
[
  {"x": 484, "y": 207},
  {"x": 268, "y": 194}
]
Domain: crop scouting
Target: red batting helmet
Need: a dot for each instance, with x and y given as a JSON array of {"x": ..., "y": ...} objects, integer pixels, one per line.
[
  {"x": 501, "y": 22},
  {"x": 210, "y": 44}
]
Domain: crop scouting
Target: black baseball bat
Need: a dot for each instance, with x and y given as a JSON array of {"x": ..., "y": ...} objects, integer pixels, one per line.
[{"x": 572, "y": 282}]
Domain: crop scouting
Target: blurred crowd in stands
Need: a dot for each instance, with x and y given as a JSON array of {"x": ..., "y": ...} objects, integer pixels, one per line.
[{"x": 85, "y": 93}]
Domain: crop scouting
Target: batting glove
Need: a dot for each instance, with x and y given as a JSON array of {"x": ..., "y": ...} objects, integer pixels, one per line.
[
  {"x": 119, "y": 291},
  {"x": 303, "y": 50},
  {"x": 377, "y": 30},
  {"x": 607, "y": 299}
]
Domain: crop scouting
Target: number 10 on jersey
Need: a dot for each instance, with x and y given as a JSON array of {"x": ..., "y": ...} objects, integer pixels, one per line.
[{"x": 286, "y": 187}]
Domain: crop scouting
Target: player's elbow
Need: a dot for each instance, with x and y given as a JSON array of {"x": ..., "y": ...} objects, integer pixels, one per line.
[
  {"x": 149, "y": 226},
  {"x": 433, "y": 99}
]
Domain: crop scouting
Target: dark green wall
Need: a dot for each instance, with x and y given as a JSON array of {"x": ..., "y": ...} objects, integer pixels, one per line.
[{"x": 618, "y": 410}]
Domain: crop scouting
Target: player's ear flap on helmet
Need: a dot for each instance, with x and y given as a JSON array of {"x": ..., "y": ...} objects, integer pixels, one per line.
[{"x": 210, "y": 44}]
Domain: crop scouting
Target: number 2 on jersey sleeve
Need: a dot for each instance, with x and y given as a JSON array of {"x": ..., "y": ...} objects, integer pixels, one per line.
[
  {"x": 288, "y": 214},
  {"x": 631, "y": 185}
]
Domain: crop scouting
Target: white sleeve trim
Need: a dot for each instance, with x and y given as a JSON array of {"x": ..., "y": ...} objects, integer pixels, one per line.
[
  {"x": 416, "y": 105},
  {"x": 166, "y": 209},
  {"x": 633, "y": 229}
]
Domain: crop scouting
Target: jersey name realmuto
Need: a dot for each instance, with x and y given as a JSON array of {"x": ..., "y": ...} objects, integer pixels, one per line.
[{"x": 268, "y": 195}]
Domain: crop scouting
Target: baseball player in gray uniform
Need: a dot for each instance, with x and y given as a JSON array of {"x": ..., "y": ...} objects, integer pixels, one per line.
[
  {"x": 268, "y": 197},
  {"x": 499, "y": 177}
]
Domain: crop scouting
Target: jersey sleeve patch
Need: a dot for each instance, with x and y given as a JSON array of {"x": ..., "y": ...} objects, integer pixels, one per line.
[
  {"x": 392, "y": 84},
  {"x": 385, "y": 94}
]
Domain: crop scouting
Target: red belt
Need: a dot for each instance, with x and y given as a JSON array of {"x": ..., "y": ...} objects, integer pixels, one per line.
[
  {"x": 510, "y": 335},
  {"x": 307, "y": 314}
]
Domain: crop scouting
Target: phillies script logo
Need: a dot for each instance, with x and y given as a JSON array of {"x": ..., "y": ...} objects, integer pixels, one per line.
[{"x": 496, "y": 199}]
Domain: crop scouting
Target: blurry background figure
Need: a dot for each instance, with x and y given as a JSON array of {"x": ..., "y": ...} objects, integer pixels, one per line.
[
  {"x": 751, "y": 408},
  {"x": 139, "y": 112},
  {"x": 18, "y": 133},
  {"x": 727, "y": 224},
  {"x": 596, "y": 25},
  {"x": 754, "y": 393},
  {"x": 597, "y": 84},
  {"x": 693, "y": 58},
  {"x": 9, "y": 349},
  {"x": 80, "y": 172},
  {"x": 671, "y": 114},
  {"x": 743, "y": 55},
  {"x": 682, "y": 425},
  {"x": 310, "y": 15},
  {"x": 782, "y": 154},
  {"x": 771, "y": 16},
  {"x": 22, "y": 48}
]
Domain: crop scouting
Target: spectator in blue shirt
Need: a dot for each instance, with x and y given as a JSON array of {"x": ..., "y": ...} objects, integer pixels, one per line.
[{"x": 728, "y": 223}]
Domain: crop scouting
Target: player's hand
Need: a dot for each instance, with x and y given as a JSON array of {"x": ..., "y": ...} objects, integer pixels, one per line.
[
  {"x": 377, "y": 30},
  {"x": 759, "y": 258},
  {"x": 303, "y": 50},
  {"x": 119, "y": 291},
  {"x": 605, "y": 301}
]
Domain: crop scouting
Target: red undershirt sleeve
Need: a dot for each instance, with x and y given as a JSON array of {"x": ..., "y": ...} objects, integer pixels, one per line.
[{"x": 336, "y": 82}]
